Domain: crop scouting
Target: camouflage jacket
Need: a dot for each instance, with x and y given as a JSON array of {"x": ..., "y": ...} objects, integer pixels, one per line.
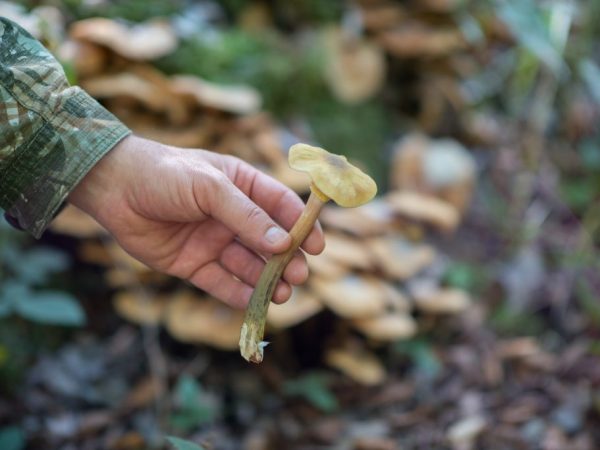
[{"x": 51, "y": 134}]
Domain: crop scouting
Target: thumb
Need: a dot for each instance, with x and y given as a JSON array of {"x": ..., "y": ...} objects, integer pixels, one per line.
[{"x": 246, "y": 219}]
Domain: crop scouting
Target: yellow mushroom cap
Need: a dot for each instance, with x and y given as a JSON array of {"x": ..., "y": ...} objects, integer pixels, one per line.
[{"x": 333, "y": 175}]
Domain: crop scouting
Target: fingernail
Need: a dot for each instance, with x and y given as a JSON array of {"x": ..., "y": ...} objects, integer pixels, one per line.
[{"x": 275, "y": 235}]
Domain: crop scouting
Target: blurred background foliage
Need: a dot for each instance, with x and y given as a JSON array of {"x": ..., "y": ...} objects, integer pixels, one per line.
[{"x": 520, "y": 90}]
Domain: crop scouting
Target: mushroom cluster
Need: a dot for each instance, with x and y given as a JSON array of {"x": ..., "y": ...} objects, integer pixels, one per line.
[
  {"x": 376, "y": 268},
  {"x": 379, "y": 266},
  {"x": 114, "y": 63}
]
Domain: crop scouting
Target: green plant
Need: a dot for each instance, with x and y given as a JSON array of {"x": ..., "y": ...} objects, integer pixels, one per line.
[
  {"x": 531, "y": 25},
  {"x": 24, "y": 271},
  {"x": 182, "y": 444},
  {"x": 314, "y": 388},
  {"x": 588, "y": 302},
  {"x": 12, "y": 438},
  {"x": 260, "y": 59},
  {"x": 421, "y": 354},
  {"x": 191, "y": 407},
  {"x": 506, "y": 320}
]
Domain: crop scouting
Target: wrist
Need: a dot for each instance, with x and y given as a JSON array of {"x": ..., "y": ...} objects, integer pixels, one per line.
[{"x": 102, "y": 189}]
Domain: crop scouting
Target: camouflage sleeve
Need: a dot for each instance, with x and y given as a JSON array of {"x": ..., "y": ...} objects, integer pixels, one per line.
[{"x": 51, "y": 134}]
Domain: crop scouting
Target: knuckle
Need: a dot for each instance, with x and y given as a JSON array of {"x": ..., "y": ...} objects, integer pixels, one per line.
[
  {"x": 212, "y": 184},
  {"x": 253, "y": 214},
  {"x": 215, "y": 178}
]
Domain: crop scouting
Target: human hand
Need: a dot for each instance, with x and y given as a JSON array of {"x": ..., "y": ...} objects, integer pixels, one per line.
[{"x": 197, "y": 215}]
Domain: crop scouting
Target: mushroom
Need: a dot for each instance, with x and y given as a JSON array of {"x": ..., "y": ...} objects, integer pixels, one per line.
[
  {"x": 87, "y": 58},
  {"x": 355, "y": 68},
  {"x": 203, "y": 321},
  {"x": 442, "y": 167},
  {"x": 299, "y": 307},
  {"x": 388, "y": 327},
  {"x": 371, "y": 219},
  {"x": 357, "y": 363},
  {"x": 353, "y": 296},
  {"x": 119, "y": 277},
  {"x": 145, "y": 41},
  {"x": 400, "y": 259},
  {"x": 424, "y": 208},
  {"x": 140, "y": 309},
  {"x": 432, "y": 299},
  {"x": 233, "y": 99},
  {"x": 144, "y": 85},
  {"x": 325, "y": 267},
  {"x": 332, "y": 178},
  {"x": 347, "y": 252}
]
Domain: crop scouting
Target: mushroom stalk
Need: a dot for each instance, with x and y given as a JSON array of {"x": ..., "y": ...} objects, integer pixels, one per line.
[{"x": 251, "y": 343}]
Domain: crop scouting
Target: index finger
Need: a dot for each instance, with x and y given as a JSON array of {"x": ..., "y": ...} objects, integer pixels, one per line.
[{"x": 279, "y": 201}]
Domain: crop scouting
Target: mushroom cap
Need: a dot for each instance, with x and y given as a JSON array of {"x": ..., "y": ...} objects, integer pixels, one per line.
[
  {"x": 234, "y": 99},
  {"x": 86, "y": 57},
  {"x": 355, "y": 68},
  {"x": 357, "y": 363},
  {"x": 347, "y": 251},
  {"x": 140, "y": 309},
  {"x": 424, "y": 208},
  {"x": 352, "y": 296},
  {"x": 140, "y": 42},
  {"x": 326, "y": 267},
  {"x": 400, "y": 259},
  {"x": 367, "y": 220},
  {"x": 298, "y": 308},
  {"x": 333, "y": 175},
  {"x": 387, "y": 327},
  {"x": 432, "y": 299},
  {"x": 203, "y": 321}
]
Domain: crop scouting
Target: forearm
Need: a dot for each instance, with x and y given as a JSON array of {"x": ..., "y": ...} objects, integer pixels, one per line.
[{"x": 51, "y": 134}]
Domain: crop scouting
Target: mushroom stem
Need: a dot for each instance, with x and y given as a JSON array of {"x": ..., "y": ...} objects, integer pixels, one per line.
[{"x": 251, "y": 343}]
